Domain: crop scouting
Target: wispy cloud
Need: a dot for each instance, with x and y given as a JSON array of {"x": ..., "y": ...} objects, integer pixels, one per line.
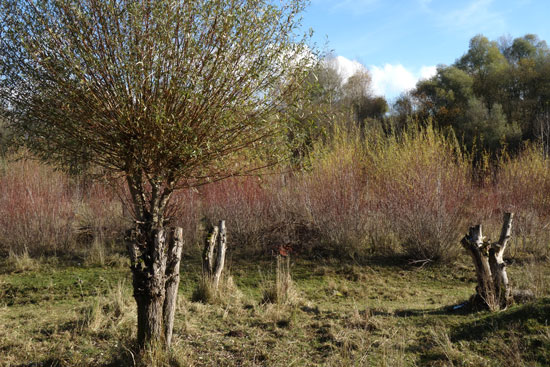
[
  {"x": 424, "y": 3},
  {"x": 478, "y": 15},
  {"x": 357, "y": 7}
]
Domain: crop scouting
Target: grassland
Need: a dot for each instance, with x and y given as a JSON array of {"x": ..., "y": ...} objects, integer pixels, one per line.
[
  {"x": 74, "y": 313},
  {"x": 66, "y": 292}
]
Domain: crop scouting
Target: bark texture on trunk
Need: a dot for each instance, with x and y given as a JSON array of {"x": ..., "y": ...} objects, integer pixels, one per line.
[
  {"x": 208, "y": 253},
  {"x": 220, "y": 260},
  {"x": 215, "y": 247},
  {"x": 148, "y": 256},
  {"x": 175, "y": 246},
  {"x": 492, "y": 280},
  {"x": 155, "y": 256},
  {"x": 473, "y": 242},
  {"x": 496, "y": 259}
]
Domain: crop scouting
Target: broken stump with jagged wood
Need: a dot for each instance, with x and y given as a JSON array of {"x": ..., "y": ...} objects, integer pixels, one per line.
[
  {"x": 493, "y": 288},
  {"x": 213, "y": 259}
]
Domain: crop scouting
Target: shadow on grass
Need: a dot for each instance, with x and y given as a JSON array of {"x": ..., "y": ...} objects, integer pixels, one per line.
[
  {"x": 527, "y": 318},
  {"x": 518, "y": 335},
  {"x": 463, "y": 308},
  {"x": 49, "y": 362},
  {"x": 538, "y": 311}
]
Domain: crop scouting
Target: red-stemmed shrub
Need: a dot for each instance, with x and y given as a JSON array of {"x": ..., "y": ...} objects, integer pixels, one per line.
[{"x": 421, "y": 185}]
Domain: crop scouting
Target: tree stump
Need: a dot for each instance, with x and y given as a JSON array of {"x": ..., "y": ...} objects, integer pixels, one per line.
[
  {"x": 215, "y": 248},
  {"x": 493, "y": 289},
  {"x": 175, "y": 246}
]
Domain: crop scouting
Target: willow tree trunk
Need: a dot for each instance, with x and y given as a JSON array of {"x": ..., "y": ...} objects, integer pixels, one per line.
[{"x": 155, "y": 257}]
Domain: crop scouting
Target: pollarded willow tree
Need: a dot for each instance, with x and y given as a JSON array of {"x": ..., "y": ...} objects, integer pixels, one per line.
[{"x": 168, "y": 93}]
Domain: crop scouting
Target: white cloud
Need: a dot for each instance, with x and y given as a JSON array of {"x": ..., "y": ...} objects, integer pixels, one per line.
[
  {"x": 389, "y": 80},
  {"x": 426, "y": 72},
  {"x": 346, "y": 67}
]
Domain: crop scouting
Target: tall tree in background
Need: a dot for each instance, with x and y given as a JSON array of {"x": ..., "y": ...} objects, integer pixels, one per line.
[
  {"x": 445, "y": 96},
  {"x": 495, "y": 95},
  {"x": 314, "y": 115},
  {"x": 169, "y": 94},
  {"x": 486, "y": 65},
  {"x": 358, "y": 96},
  {"x": 330, "y": 102}
]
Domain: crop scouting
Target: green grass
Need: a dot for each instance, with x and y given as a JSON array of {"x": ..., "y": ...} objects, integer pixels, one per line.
[{"x": 374, "y": 314}]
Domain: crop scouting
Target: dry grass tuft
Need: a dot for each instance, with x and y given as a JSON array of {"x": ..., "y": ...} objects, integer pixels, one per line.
[
  {"x": 108, "y": 312},
  {"x": 22, "y": 261},
  {"x": 281, "y": 291},
  {"x": 226, "y": 293}
]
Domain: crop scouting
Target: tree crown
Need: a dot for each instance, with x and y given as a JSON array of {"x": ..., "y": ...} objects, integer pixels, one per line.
[{"x": 170, "y": 90}]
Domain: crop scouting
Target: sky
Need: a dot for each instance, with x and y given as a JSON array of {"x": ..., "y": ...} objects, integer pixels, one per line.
[{"x": 402, "y": 41}]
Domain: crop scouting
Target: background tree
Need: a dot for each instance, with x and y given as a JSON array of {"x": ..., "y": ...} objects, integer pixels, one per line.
[
  {"x": 6, "y": 139},
  {"x": 313, "y": 116},
  {"x": 367, "y": 109},
  {"x": 486, "y": 64},
  {"x": 496, "y": 93},
  {"x": 168, "y": 94},
  {"x": 356, "y": 94},
  {"x": 401, "y": 114},
  {"x": 445, "y": 96},
  {"x": 328, "y": 102},
  {"x": 487, "y": 127}
]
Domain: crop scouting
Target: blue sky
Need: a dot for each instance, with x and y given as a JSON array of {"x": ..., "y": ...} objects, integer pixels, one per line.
[{"x": 401, "y": 41}]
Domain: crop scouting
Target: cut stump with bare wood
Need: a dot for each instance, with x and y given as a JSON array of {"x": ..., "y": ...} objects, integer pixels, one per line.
[
  {"x": 213, "y": 259},
  {"x": 493, "y": 288}
]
